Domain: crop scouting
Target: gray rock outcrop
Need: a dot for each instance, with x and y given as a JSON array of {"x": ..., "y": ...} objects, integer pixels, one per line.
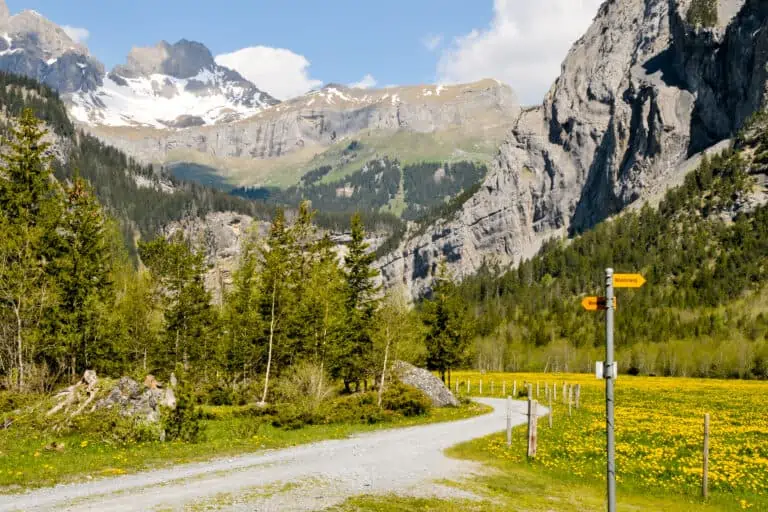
[
  {"x": 424, "y": 381},
  {"x": 141, "y": 402},
  {"x": 639, "y": 94}
]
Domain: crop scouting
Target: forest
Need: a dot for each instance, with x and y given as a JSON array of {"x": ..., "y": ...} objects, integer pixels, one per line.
[{"x": 72, "y": 299}]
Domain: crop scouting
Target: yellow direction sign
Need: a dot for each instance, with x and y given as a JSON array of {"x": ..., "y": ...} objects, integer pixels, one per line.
[
  {"x": 596, "y": 303},
  {"x": 628, "y": 280}
]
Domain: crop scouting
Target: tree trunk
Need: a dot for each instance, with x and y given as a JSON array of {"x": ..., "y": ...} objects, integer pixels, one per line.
[
  {"x": 271, "y": 339},
  {"x": 384, "y": 369},
  {"x": 19, "y": 346}
]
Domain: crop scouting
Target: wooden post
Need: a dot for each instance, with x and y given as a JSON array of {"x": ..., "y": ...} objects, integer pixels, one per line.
[
  {"x": 705, "y": 468},
  {"x": 481, "y": 387},
  {"x": 514, "y": 390},
  {"x": 529, "y": 387},
  {"x": 468, "y": 386},
  {"x": 551, "y": 412},
  {"x": 537, "y": 389},
  {"x": 532, "y": 412},
  {"x": 509, "y": 421},
  {"x": 578, "y": 394},
  {"x": 570, "y": 400},
  {"x": 504, "y": 388},
  {"x": 565, "y": 393},
  {"x": 546, "y": 390}
]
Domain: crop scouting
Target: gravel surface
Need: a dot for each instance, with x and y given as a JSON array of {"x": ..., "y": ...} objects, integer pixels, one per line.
[{"x": 310, "y": 477}]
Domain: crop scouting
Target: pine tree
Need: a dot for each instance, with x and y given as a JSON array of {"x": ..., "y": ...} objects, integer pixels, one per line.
[
  {"x": 82, "y": 273},
  {"x": 190, "y": 321},
  {"x": 354, "y": 351},
  {"x": 30, "y": 206},
  {"x": 274, "y": 293},
  {"x": 449, "y": 326}
]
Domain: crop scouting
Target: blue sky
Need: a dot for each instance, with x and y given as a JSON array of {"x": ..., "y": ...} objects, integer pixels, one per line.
[{"x": 342, "y": 40}]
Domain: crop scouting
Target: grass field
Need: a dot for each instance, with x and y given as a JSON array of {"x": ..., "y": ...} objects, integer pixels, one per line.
[
  {"x": 659, "y": 432},
  {"x": 25, "y": 462}
]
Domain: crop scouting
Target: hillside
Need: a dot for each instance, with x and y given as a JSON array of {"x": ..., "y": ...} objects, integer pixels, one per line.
[{"x": 704, "y": 253}]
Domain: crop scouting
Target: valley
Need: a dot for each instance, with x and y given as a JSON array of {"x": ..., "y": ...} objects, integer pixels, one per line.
[{"x": 215, "y": 295}]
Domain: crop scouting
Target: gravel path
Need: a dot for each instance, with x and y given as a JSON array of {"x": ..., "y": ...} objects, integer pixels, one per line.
[{"x": 309, "y": 477}]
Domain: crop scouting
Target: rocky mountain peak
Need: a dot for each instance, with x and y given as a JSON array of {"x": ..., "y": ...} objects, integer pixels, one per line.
[
  {"x": 5, "y": 13},
  {"x": 184, "y": 59}
]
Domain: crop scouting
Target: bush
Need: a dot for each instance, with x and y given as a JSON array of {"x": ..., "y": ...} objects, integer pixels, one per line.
[
  {"x": 405, "y": 400},
  {"x": 185, "y": 421},
  {"x": 110, "y": 427}
]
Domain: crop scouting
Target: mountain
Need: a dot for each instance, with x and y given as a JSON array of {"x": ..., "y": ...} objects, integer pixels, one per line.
[
  {"x": 278, "y": 145},
  {"x": 641, "y": 93},
  {"x": 32, "y": 46},
  {"x": 167, "y": 85},
  {"x": 176, "y": 86}
]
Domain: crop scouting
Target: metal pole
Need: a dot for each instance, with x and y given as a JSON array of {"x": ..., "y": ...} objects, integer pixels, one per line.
[{"x": 609, "y": 401}]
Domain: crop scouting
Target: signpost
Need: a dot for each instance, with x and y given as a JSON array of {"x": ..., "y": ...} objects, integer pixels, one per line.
[{"x": 608, "y": 370}]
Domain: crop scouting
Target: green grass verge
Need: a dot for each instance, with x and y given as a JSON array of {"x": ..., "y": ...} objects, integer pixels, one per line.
[{"x": 25, "y": 462}]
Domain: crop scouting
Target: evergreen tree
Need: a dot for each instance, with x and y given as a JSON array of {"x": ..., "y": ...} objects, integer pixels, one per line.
[
  {"x": 354, "y": 351},
  {"x": 190, "y": 321},
  {"x": 83, "y": 274},
  {"x": 274, "y": 296},
  {"x": 448, "y": 323},
  {"x": 30, "y": 206}
]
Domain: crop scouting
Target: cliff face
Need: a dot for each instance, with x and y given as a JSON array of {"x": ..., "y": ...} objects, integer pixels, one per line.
[
  {"x": 324, "y": 117},
  {"x": 639, "y": 94}
]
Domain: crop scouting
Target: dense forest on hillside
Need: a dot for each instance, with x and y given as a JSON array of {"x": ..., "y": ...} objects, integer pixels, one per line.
[
  {"x": 426, "y": 187},
  {"x": 704, "y": 252}
]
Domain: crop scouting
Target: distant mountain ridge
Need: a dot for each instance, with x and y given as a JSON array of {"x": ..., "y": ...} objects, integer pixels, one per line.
[{"x": 164, "y": 86}]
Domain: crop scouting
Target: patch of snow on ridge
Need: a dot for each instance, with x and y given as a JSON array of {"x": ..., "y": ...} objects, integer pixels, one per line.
[{"x": 159, "y": 100}]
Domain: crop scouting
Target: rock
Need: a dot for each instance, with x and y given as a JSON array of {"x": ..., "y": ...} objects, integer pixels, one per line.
[
  {"x": 426, "y": 382},
  {"x": 131, "y": 400},
  {"x": 639, "y": 94}
]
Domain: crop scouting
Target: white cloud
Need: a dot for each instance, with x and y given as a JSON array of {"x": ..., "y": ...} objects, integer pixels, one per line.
[
  {"x": 365, "y": 83},
  {"x": 277, "y": 71},
  {"x": 77, "y": 34},
  {"x": 524, "y": 45},
  {"x": 432, "y": 41}
]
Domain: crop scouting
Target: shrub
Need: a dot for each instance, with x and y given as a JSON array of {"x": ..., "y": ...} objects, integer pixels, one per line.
[
  {"x": 405, "y": 400},
  {"x": 111, "y": 427},
  {"x": 185, "y": 421}
]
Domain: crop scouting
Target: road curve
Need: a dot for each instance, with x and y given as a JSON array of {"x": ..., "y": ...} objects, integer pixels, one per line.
[{"x": 308, "y": 477}]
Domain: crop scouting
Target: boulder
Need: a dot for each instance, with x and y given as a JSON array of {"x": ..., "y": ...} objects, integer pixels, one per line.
[
  {"x": 130, "y": 399},
  {"x": 424, "y": 381}
]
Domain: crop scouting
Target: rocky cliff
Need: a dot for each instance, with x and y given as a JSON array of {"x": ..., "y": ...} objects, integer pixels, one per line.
[
  {"x": 458, "y": 118},
  {"x": 639, "y": 94}
]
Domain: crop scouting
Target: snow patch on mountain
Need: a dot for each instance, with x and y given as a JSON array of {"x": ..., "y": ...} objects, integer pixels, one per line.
[{"x": 163, "y": 101}]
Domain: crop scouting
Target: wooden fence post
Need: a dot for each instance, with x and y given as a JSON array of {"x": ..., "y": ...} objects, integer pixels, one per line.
[
  {"x": 578, "y": 395},
  {"x": 532, "y": 416},
  {"x": 537, "y": 389},
  {"x": 509, "y": 421},
  {"x": 504, "y": 388},
  {"x": 551, "y": 412},
  {"x": 514, "y": 390},
  {"x": 529, "y": 387},
  {"x": 481, "y": 387},
  {"x": 565, "y": 393},
  {"x": 570, "y": 400},
  {"x": 546, "y": 390},
  {"x": 468, "y": 386},
  {"x": 705, "y": 468}
]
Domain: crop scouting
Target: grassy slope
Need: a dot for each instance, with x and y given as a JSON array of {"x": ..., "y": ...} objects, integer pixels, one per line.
[
  {"x": 447, "y": 146},
  {"x": 24, "y": 461},
  {"x": 658, "y": 434}
]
